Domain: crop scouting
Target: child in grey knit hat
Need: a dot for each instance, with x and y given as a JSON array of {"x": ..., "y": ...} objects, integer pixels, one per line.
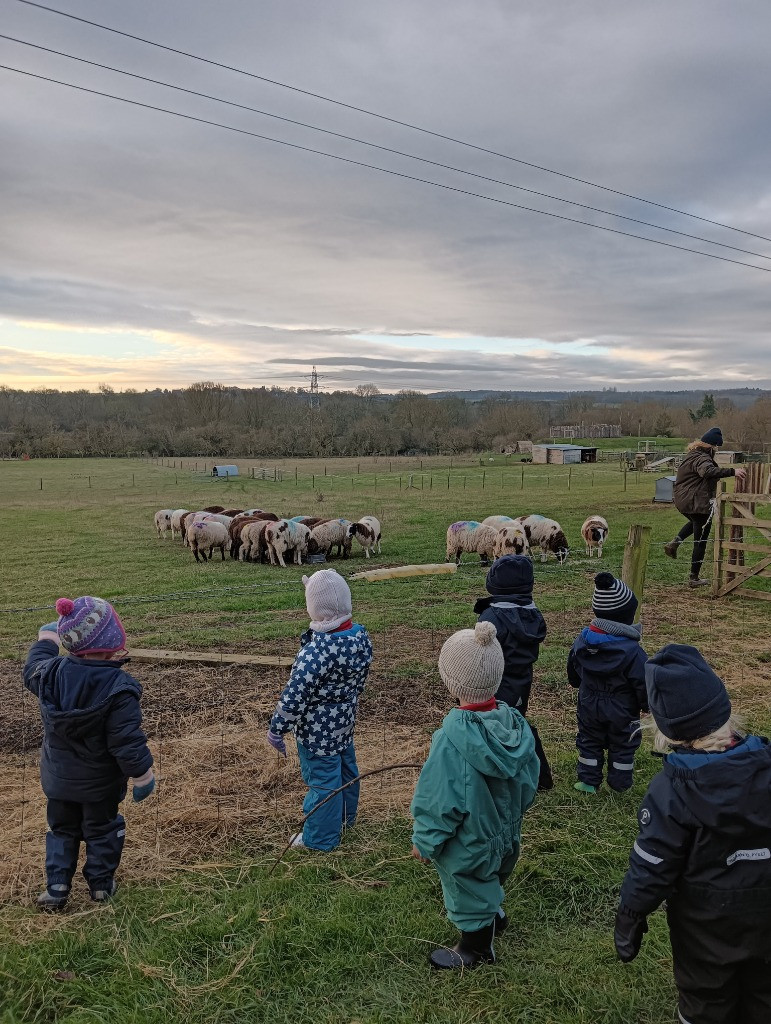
[{"x": 480, "y": 777}]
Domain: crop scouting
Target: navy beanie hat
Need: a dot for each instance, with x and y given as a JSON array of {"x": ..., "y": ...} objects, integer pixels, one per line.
[
  {"x": 612, "y": 599},
  {"x": 713, "y": 437},
  {"x": 512, "y": 574},
  {"x": 687, "y": 699}
]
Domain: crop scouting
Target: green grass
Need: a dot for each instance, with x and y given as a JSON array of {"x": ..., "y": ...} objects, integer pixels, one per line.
[{"x": 344, "y": 937}]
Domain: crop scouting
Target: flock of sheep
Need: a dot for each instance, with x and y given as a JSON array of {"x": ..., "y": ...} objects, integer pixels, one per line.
[
  {"x": 255, "y": 535},
  {"x": 503, "y": 535}
]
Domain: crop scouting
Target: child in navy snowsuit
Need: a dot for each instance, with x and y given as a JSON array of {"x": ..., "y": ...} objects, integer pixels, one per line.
[
  {"x": 703, "y": 846},
  {"x": 92, "y": 743},
  {"x": 319, "y": 705},
  {"x": 520, "y": 629},
  {"x": 607, "y": 666}
]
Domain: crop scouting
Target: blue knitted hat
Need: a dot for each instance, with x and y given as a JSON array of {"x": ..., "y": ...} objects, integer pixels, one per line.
[
  {"x": 687, "y": 699},
  {"x": 713, "y": 437},
  {"x": 511, "y": 574}
]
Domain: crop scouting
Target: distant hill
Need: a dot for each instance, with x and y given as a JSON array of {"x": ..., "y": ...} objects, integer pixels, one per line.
[{"x": 742, "y": 398}]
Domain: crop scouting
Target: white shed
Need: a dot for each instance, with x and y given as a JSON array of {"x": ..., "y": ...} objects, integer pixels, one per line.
[{"x": 224, "y": 471}]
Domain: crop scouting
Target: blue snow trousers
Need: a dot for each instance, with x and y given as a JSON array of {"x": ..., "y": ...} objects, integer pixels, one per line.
[
  {"x": 605, "y": 722},
  {"x": 99, "y": 825},
  {"x": 322, "y": 775}
]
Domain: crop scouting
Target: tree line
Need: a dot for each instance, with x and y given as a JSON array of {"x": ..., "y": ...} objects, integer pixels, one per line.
[{"x": 211, "y": 419}]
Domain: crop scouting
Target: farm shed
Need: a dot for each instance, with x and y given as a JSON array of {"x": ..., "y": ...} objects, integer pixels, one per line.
[
  {"x": 665, "y": 488},
  {"x": 729, "y": 458},
  {"x": 563, "y": 454},
  {"x": 224, "y": 471}
]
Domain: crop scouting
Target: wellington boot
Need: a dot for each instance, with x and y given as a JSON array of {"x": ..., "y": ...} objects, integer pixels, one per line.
[
  {"x": 54, "y": 898},
  {"x": 694, "y": 581},
  {"x": 670, "y": 550},
  {"x": 474, "y": 948},
  {"x": 501, "y": 921},
  {"x": 106, "y": 894}
]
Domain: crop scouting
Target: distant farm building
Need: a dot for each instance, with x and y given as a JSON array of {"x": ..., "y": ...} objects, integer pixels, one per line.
[
  {"x": 224, "y": 471},
  {"x": 587, "y": 430},
  {"x": 563, "y": 454}
]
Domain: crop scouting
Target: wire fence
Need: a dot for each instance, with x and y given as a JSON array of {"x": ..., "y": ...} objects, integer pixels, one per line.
[{"x": 224, "y": 796}]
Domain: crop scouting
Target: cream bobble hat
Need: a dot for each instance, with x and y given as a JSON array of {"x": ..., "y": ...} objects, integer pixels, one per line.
[
  {"x": 328, "y": 600},
  {"x": 471, "y": 664}
]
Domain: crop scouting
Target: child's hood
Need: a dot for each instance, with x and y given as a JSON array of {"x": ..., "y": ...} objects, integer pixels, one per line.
[
  {"x": 497, "y": 743},
  {"x": 71, "y": 688},
  {"x": 603, "y": 651}
]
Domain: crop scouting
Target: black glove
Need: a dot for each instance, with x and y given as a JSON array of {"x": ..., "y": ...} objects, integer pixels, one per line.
[{"x": 628, "y": 933}]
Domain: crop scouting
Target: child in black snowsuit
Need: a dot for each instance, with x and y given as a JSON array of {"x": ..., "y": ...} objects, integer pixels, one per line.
[
  {"x": 607, "y": 665},
  {"x": 703, "y": 846},
  {"x": 520, "y": 629},
  {"x": 92, "y": 743}
]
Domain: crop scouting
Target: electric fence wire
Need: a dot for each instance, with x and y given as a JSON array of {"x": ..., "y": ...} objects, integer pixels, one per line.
[
  {"x": 383, "y": 170},
  {"x": 382, "y": 117},
  {"x": 385, "y": 149}
]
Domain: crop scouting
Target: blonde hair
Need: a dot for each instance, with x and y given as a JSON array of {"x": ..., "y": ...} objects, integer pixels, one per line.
[
  {"x": 699, "y": 444},
  {"x": 717, "y": 741}
]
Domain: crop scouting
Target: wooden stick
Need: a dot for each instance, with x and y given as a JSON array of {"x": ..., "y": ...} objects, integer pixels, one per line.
[{"x": 141, "y": 654}]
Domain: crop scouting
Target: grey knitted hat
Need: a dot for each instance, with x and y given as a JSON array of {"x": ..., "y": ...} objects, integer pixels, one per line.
[
  {"x": 328, "y": 600},
  {"x": 471, "y": 664}
]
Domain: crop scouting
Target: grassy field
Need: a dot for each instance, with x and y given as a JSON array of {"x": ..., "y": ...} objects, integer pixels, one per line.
[{"x": 200, "y": 930}]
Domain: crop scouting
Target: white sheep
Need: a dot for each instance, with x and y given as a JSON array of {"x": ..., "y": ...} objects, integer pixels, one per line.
[
  {"x": 367, "y": 532},
  {"x": 203, "y": 537},
  {"x": 473, "y": 537},
  {"x": 252, "y": 546},
  {"x": 595, "y": 533},
  {"x": 546, "y": 534},
  {"x": 176, "y": 525},
  {"x": 163, "y": 520},
  {"x": 511, "y": 540},
  {"x": 326, "y": 535},
  {"x": 497, "y": 522},
  {"x": 282, "y": 537}
]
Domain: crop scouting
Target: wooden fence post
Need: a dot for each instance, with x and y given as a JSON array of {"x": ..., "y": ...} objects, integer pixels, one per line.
[
  {"x": 717, "y": 558},
  {"x": 638, "y": 544}
]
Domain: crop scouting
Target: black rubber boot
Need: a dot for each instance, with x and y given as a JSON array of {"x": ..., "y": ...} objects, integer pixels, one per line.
[
  {"x": 501, "y": 922},
  {"x": 474, "y": 948},
  {"x": 54, "y": 898}
]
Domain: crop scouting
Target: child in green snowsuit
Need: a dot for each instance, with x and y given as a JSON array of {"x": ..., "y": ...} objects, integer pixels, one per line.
[{"x": 480, "y": 777}]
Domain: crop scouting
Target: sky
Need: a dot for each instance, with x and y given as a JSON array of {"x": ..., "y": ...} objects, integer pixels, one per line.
[{"x": 142, "y": 249}]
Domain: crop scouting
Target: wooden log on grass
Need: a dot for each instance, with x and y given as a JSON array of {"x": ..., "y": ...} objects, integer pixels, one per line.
[{"x": 398, "y": 571}]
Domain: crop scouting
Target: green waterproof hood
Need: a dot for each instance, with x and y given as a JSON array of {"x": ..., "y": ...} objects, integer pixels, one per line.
[{"x": 496, "y": 743}]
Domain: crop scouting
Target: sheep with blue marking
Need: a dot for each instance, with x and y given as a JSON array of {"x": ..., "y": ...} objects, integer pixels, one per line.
[{"x": 472, "y": 537}]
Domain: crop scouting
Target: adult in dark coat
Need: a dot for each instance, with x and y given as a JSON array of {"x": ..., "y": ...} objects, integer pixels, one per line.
[
  {"x": 694, "y": 492},
  {"x": 703, "y": 846}
]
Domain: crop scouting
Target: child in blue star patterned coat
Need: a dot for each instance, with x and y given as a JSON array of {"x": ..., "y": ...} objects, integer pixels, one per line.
[{"x": 319, "y": 705}]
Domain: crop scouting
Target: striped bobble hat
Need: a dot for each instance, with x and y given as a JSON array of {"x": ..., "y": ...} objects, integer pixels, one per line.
[
  {"x": 612, "y": 599},
  {"x": 89, "y": 625}
]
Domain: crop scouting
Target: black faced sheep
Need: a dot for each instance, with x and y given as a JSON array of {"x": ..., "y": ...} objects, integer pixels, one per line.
[{"x": 367, "y": 532}]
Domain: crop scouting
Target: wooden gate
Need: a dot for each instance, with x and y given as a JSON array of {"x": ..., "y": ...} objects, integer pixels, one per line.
[{"x": 740, "y": 556}]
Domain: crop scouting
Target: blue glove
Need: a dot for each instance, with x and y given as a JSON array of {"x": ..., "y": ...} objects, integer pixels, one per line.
[
  {"x": 141, "y": 793},
  {"x": 50, "y": 627},
  {"x": 277, "y": 742}
]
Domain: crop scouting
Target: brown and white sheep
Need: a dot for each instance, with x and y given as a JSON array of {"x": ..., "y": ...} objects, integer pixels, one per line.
[
  {"x": 283, "y": 537},
  {"x": 546, "y": 534},
  {"x": 595, "y": 533},
  {"x": 328, "y": 534},
  {"x": 367, "y": 532},
  {"x": 511, "y": 540},
  {"x": 469, "y": 535},
  {"x": 204, "y": 536},
  {"x": 163, "y": 521}
]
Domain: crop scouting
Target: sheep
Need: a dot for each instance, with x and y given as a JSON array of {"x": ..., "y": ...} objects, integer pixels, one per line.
[
  {"x": 367, "y": 532},
  {"x": 497, "y": 522},
  {"x": 239, "y": 523},
  {"x": 547, "y": 534},
  {"x": 471, "y": 536},
  {"x": 203, "y": 537},
  {"x": 163, "y": 520},
  {"x": 595, "y": 533},
  {"x": 231, "y": 512},
  {"x": 202, "y": 515},
  {"x": 282, "y": 537},
  {"x": 214, "y": 508},
  {"x": 511, "y": 540},
  {"x": 252, "y": 541},
  {"x": 176, "y": 522},
  {"x": 252, "y": 512},
  {"x": 325, "y": 535}
]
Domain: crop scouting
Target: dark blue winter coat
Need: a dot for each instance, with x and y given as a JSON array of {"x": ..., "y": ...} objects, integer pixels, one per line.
[
  {"x": 92, "y": 725},
  {"x": 704, "y": 846},
  {"x": 521, "y": 629},
  {"x": 615, "y": 665}
]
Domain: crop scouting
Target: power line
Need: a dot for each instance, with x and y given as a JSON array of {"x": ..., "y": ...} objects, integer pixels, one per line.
[
  {"x": 384, "y": 117},
  {"x": 376, "y": 167},
  {"x": 378, "y": 146}
]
